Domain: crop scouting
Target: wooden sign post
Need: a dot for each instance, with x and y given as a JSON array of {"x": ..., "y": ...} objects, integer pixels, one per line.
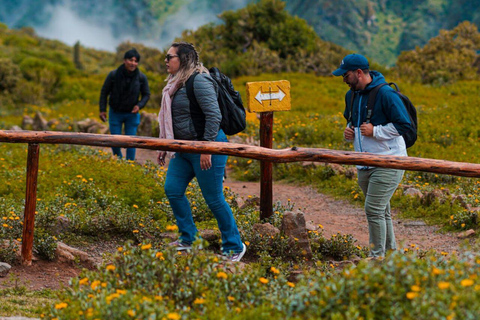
[{"x": 265, "y": 97}]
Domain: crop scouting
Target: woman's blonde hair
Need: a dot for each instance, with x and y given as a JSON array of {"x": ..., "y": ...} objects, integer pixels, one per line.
[{"x": 189, "y": 62}]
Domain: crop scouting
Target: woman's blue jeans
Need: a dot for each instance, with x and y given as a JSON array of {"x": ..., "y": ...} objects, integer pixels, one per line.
[
  {"x": 181, "y": 170},
  {"x": 116, "y": 120}
]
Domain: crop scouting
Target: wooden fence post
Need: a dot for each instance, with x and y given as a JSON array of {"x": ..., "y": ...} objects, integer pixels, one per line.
[
  {"x": 266, "y": 167},
  {"x": 30, "y": 203}
]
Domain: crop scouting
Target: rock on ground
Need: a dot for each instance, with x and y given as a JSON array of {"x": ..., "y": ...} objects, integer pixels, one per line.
[{"x": 4, "y": 269}]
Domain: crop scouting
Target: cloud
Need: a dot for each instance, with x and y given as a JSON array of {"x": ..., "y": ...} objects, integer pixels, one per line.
[
  {"x": 66, "y": 26},
  {"x": 97, "y": 29}
]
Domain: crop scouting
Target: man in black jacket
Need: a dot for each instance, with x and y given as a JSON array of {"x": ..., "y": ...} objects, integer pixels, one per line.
[{"x": 124, "y": 86}]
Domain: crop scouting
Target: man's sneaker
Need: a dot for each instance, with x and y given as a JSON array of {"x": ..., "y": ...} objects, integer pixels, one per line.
[
  {"x": 239, "y": 255},
  {"x": 179, "y": 245}
]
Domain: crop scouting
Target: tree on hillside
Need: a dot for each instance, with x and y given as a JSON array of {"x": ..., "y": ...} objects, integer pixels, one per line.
[
  {"x": 450, "y": 56},
  {"x": 264, "y": 37}
]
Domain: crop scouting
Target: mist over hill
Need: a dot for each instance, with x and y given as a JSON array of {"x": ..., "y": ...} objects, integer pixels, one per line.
[
  {"x": 104, "y": 24},
  {"x": 380, "y": 29}
]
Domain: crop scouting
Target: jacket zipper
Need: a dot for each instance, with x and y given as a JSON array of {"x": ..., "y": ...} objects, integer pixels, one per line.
[{"x": 358, "y": 122}]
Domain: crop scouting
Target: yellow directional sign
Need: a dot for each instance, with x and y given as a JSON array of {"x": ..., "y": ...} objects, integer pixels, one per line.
[{"x": 266, "y": 96}]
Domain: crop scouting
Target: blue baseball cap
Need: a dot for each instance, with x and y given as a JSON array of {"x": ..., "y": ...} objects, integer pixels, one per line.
[{"x": 351, "y": 62}]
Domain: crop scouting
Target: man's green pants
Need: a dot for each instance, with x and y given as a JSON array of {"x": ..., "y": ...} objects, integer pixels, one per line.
[{"x": 378, "y": 186}]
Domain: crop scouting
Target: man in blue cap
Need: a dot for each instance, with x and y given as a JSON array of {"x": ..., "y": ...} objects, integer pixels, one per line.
[{"x": 379, "y": 133}]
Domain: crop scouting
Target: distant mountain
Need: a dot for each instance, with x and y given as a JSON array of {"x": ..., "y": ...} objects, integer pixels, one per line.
[{"x": 380, "y": 29}]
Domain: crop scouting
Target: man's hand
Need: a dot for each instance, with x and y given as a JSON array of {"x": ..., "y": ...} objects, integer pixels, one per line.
[
  {"x": 135, "y": 109},
  {"x": 366, "y": 129},
  {"x": 103, "y": 116},
  {"x": 161, "y": 158},
  {"x": 205, "y": 161},
  {"x": 349, "y": 133}
]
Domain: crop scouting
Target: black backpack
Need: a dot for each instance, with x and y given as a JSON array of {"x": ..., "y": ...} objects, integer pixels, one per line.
[
  {"x": 229, "y": 101},
  {"x": 411, "y": 135}
]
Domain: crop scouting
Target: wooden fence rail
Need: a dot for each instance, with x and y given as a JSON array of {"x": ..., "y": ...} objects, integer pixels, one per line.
[
  {"x": 35, "y": 138},
  {"x": 294, "y": 154}
]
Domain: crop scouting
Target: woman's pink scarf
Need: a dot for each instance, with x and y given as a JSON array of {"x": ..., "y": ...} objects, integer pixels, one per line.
[{"x": 165, "y": 115}]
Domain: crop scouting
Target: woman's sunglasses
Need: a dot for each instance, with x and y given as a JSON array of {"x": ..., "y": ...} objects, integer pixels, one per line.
[{"x": 170, "y": 56}]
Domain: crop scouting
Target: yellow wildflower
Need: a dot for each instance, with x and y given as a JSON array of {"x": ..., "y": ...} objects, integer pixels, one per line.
[
  {"x": 274, "y": 270},
  {"x": 263, "y": 280},
  {"x": 222, "y": 274},
  {"x": 199, "y": 301},
  {"x": 466, "y": 282},
  {"x": 416, "y": 288},
  {"x": 411, "y": 295},
  {"x": 95, "y": 284},
  {"x": 61, "y": 305},
  {"x": 110, "y": 267},
  {"x": 173, "y": 316},
  {"x": 146, "y": 246},
  {"x": 443, "y": 285},
  {"x": 291, "y": 284},
  {"x": 436, "y": 271},
  {"x": 172, "y": 228}
]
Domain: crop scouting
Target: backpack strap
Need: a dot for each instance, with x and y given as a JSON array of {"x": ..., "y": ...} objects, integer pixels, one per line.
[
  {"x": 372, "y": 96},
  {"x": 198, "y": 118},
  {"x": 190, "y": 93},
  {"x": 396, "y": 86},
  {"x": 351, "y": 108},
  {"x": 215, "y": 73}
]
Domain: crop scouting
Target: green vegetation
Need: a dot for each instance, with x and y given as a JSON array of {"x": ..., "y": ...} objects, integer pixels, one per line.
[
  {"x": 144, "y": 282},
  {"x": 449, "y": 57},
  {"x": 19, "y": 300},
  {"x": 85, "y": 195}
]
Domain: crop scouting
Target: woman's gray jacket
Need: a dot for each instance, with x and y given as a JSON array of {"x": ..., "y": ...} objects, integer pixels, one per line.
[{"x": 205, "y": 90}]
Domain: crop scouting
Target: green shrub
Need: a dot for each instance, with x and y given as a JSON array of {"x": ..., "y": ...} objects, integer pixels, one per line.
[
  {"x": 43, "y": 72},
  {"x": 9, "y": 75},
  {"x": 20, "y": 41},
  {"x": 44, "y": 244},
  {"x": 464, "y": 220},
  {"x": 27, "y": 92},
  {"x": 144, "y": 281},
  {"x": 449, "y": 57},
  {"x": 8, "y": 250},
  {"x": 339, "y": 247}
]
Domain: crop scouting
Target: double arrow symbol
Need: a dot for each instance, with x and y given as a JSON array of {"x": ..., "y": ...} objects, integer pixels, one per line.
[{"x": 270, "y": 96}]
